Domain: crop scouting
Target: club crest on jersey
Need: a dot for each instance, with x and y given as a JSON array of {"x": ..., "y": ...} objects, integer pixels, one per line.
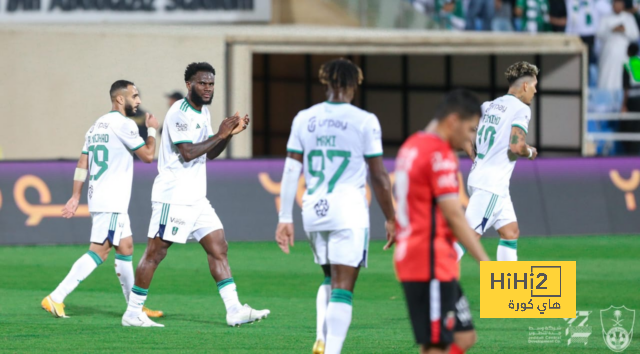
[
  {"x": 321, "y": 207},
  {"x": 617, "y": 327},
  {"x": 450, "y": 320},
  {"x": 174, "y": 231},
  {"x": 198, "y": 126}
]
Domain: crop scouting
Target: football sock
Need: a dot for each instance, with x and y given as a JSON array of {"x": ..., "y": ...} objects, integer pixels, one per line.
[
  {"x": 229, "y": 295},
  {"x": 338, "y": 319},
  {"x": 137, "y": 297},
  {"x": 322, "y": 300},
  {"x": 124, "y": 271},
  {"x": 507, "y": 250},
  {"x": 460, "y": 250},
  {"x": 79, "y": 272},
  {"x": 454, "y": 349}
]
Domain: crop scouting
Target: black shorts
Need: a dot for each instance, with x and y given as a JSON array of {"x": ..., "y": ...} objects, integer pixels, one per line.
[{"x": 437, "y": 310}]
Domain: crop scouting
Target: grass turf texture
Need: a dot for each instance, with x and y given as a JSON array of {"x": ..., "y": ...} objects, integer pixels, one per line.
[{"x": 608, "y": 273}]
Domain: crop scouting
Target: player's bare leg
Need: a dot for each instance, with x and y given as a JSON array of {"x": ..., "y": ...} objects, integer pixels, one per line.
[
  {"x": 338, "y": 318},
  {"x": 463, "y": 341},
  {"x": 216, "y": 246},
  {"x": 153, "y": 255},
  {"x": 322, "y": 301},
  {"x": 81, "y": 269},
  {"x": 124, "y": 272},
  {"x": 508, "y": 246},
  {"x": 433, "y": 349}
]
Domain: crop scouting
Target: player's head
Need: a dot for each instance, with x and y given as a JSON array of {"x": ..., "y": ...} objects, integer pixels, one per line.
[
  {"x": 125, "y": 94},
  {"x": 523, "y": 79},
  {"x": 341, "y": 77},
  {"x": 618, "y": 6},
  {"x": 633, "y": 49},
  {"x": 200, "y": 79},
  {"x": 459, "y": 114}
]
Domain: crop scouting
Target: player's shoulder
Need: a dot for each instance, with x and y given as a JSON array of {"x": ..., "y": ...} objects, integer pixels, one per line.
[
  {"x": 427, "y": 143},
  {"x": 306, "y": 114}
]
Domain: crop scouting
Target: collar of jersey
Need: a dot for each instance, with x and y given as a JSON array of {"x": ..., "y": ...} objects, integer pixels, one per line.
[
  {"x": 336, "y": 103},
  {"x": 190, "y": 106},
  {"x": 117, "y": 112}
]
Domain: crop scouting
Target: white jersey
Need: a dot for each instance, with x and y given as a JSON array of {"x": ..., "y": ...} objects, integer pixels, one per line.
[
  {"x": 109, "y": 144},
  {"x": 180, "y": 182},
  {"x": 335, "y": 139},
  {"x": 492, "y": 167}
]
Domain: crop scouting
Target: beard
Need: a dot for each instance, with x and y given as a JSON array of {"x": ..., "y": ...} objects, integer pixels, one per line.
[
  {"x": 130, "y": 110},
  {"x": 198, "y": 100}
]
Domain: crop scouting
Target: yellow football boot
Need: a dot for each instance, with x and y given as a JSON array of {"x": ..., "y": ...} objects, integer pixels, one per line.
[
  {"x": 152, "y": 313},
  {"x": 56, "y": 309},
  {"x": 318, "y": 347}
]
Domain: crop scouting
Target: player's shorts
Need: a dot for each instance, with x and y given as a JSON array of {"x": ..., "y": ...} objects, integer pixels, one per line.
[
  {"x": 109, "y": 226},
  {"x": 345, "y": 247},
  {"x": 487, "y": 210},
  {"x": 437, "y": 310},
  {"x": 178, "y": 223}
]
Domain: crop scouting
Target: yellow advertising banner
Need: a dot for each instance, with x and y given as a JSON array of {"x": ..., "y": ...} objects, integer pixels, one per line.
[{"x": 527, "y": 289}]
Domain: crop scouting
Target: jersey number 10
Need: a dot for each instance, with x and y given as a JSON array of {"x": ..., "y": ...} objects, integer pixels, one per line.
[
  {"x": 490, "y": 135},
  {"x": 99, "y": 159}
]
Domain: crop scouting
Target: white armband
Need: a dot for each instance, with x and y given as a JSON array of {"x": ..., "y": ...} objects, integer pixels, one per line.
[
  {"x": 80, "y": 175},
  {"x": 151, "y": 132},
  {"x": 530, "y": 152},
  {"x": 288, "y": 189}
]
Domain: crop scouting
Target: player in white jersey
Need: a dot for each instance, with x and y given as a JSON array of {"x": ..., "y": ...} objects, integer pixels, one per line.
[
  {"x": 500, "y": 140},
  {"x": 335, "y": 142},
  {"x": 180, "y": 206},
  {"x": 107, "y": 159}
]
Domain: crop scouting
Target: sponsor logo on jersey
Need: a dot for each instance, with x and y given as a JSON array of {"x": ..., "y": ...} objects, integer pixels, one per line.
[
  {"x": 121, "y": 224},
  {"x": 182, "y": 127},
  {"x": 449, "y": 180},
  {"x": 91, "y": 129},
  {"x": 333, "y": 123},
  {"x": 103, "y": 125},
  {"x": 198, "y": 126},
  {"x": 497, "y": 107},
  {"x": 178, "y": 221},
  {"x": 311, "y": 126},
  {"x": 134, "y": 134},
  {"x": 440, "y": 163},
  {"x": 321, "y": 207}
]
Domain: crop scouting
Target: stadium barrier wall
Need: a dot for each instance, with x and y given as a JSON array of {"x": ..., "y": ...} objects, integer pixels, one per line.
[{"x": 564, "y": 196}]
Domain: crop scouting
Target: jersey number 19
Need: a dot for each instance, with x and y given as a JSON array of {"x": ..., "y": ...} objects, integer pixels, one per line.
[{"x": 100, "y": 159}]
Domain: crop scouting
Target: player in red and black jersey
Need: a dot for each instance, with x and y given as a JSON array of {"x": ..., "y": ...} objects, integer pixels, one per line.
[{"x": 429, "y": 219}]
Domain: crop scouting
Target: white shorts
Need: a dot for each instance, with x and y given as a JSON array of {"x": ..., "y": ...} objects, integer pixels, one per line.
[
  {"x": 487, "y": 210},
  {"x": 111, "y": 226},
  {"x": 178, "y": 223},
  {"x": 345, "y": 247}
]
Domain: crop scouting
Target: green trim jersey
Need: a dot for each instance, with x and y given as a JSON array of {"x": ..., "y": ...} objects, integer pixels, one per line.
[
  {"x": 178, "y": 181},
  {"x": 335, "y": 140},
  {"x": 109, "y": 144},
  {"x": 492, "y": 168}
]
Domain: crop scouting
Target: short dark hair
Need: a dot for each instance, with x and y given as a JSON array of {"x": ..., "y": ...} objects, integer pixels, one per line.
[
  {"x": 633, "y": 49},
  {"x": 340, "y": 73},
  {"x": 194, "y": 68},
  {"x": 119, "y": 85},
  {"x": 461, "y": 101},
  {"x": 520, "y": 70}
]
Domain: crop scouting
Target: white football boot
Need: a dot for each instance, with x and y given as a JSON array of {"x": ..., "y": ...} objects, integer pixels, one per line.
[
  {"x": 246, "y": 315},
  {"x": 142, "y": 320}
]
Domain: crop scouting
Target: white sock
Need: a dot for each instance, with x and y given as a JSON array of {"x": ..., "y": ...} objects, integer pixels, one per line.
[
  {"x": 79, "y": 272},
  {"x": 460, "y": 250},
  {"x": 124, "y": 271},
  {"x": 322, "y": 301},
  {"x": 338, "y": 319},
  {"x": 229, "y": 295},
  {"x": 507, "y": 250},
  {"x": 137, "y": 297}
]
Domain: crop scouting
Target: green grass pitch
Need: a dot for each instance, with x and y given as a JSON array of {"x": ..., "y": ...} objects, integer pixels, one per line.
[{"x": 608, "y": 273}]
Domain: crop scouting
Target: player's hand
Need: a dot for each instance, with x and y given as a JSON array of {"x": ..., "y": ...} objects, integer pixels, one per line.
[
  {"x": 619, "y": 28},
  {"x": 70, "y": 208},
  {"x": 244, "y": 123},
  {"x": 390, "y": 226},
  {"x": 535, "y": 153},
  {"x": 228, "y": 125},
  {"x": 284, "y": 236},
  {"x": 150, "y": 121}
]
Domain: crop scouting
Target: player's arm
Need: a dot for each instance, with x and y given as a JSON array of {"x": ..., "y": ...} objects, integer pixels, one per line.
[
  {"x": 382, "y": 189},
  {"x": 79, "y": 177},
  {"x": 288, "y": 189},
  {"x": 518, "y": 144},
  {"x": 191, "y": 151},
  {"x": 452, "y": 211},
  {"x": 148, "y": 150},
  {"x": 218, "y": 149}
]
